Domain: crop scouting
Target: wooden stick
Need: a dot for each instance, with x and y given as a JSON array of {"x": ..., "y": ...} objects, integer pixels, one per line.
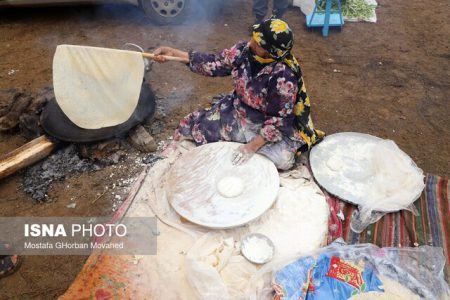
[
  {"x": 172, "y": 58},
  {"x": 25, "y": 156}
]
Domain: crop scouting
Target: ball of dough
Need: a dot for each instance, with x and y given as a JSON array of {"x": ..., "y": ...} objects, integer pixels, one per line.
[
  {"x": 230, "y": 186},
  {"x": 335, "y": 163}
]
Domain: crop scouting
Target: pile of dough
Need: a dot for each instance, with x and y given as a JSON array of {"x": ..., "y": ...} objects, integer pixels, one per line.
[{"x": 230, "y": 186}]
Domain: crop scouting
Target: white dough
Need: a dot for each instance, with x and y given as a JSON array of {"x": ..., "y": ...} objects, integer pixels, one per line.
[
  {"x": 257, "y": 249},
  {"x": 335, "y": 163},
  {"x": 230, "y": 186},
  {"x": 393, "y": 290},
  {"x": 298, "y": 221}
]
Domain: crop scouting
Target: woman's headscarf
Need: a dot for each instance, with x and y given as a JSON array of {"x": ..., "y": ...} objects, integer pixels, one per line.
[{"x": 275, "y": 36}]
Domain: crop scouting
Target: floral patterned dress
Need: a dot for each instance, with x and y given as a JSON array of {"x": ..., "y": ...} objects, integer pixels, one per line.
[{"x": 261, "y": 103}]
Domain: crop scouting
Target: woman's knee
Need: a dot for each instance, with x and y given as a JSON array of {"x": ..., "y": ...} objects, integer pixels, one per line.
[{"x": 285, "y": 162}]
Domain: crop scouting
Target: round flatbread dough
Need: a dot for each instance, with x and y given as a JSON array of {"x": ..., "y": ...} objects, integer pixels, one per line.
[
  {"x": 97, "y": 87},
  {"x": 230, "y": 186}
]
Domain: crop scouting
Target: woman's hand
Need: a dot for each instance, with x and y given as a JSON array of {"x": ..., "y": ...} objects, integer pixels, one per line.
[
  {"x": 168, "y": 51},
  {"x": 244, "y": 152}
]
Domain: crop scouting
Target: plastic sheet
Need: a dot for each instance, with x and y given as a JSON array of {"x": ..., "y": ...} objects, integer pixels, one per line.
[
  {"x": 204, "y": 261},
  {"x": 306, "y": 6},
  {"x": 397, "y": 182},
  {"x": 420, "y": 270}
]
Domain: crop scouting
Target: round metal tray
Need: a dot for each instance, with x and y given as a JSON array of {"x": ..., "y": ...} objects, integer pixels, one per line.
[{"x": 247, "y": 255}]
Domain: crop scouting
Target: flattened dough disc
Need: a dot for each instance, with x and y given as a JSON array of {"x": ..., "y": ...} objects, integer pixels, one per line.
[
  {"x": 192, "y": 186},
  {"x": 345, "y": 165},
  {"x": 333, "y": 163},
  {"x": 97, "y": 87}
]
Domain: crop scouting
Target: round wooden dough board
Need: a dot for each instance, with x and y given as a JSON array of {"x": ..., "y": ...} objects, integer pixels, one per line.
[{"x": 192, "y": 186}]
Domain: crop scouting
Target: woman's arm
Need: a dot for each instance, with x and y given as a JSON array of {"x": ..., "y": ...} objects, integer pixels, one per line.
[
  {"x": 242, "y": 154},
  {"x": 170, "y": 52},
  {"x": 256, "y": 143},
  {"x": 206, "y": 64},
  {"x": 219, "y": 64}
]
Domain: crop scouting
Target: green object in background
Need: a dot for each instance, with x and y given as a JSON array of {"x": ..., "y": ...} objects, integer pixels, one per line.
[
  {"x": 358, "y": 9},
  {"x": 351, "y": 8}
]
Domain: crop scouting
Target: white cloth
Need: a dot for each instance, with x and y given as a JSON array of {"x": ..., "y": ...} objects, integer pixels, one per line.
[
  {"x": 198, "y": 263},
  {"x": 306, "y": 6}
]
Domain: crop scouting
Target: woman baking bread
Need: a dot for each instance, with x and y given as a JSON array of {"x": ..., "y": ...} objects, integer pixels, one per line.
[{"x": 268, "y": 110}]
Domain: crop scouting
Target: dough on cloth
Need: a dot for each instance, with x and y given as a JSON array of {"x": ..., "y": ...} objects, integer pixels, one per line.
[
  {"x": 97, "y": 87},
  {"x": 230, "y": 186}
]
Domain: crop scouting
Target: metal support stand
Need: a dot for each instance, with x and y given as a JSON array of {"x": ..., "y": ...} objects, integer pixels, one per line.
[{"x": 325, "y": 18}]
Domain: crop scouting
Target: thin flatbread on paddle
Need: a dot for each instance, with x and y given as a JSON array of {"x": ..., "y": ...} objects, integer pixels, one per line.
[{"x": 97, "y": 87}]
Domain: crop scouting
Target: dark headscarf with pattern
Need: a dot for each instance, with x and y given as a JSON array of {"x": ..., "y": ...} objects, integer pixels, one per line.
[{"x": 276, "y": 37}]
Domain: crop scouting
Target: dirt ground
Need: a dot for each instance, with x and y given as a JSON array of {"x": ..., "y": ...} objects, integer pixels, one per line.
[{"x": 389, "y": 79}]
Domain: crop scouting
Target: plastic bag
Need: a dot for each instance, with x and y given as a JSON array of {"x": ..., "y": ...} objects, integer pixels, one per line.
[
  {"x": 306, "y": 6},
  {"x": 203, "y": 263},
  {"x": 396, "y": 183},
  {"x": 420, "y": 270}
]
